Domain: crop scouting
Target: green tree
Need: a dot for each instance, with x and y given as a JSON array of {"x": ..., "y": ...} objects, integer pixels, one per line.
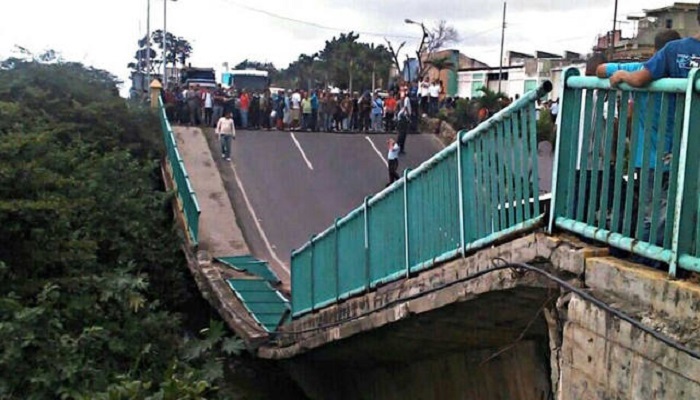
[
  {"x": 90, "y": 259},
  {"x": 179, "y": 51},
  {"x": 491, "y": 100},
  {"x": 440, "y": 64},
  {"x": 351, "y": 63}
]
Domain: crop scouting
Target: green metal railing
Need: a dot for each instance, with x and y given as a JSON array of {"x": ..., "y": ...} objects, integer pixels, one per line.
[
  {"x": 187, "y": 197},
  {"x": 626, "y": 179},
  {"x": 476, "y": 191}
]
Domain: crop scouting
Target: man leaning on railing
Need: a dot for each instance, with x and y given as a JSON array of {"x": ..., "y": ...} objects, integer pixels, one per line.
[
  {"x": 674, "y": 60},
  {"x": 609, "y": 70}
]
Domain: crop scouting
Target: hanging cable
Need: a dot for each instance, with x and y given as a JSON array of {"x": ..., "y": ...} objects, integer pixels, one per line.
[{"x": 501, "y": 264}]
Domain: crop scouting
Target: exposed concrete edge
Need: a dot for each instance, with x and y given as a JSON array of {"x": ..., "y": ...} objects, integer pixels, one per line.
[
  {"x": 217, "y": 292},
  {"x": 301, "y": 336},
  {"x": 645, "y": 287},
  {"x": 212, "y": 285},
  {"x": 567, "y": 252}
]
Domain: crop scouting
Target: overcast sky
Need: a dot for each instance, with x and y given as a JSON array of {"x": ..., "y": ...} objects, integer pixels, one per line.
[{"x": 103, "y": 33}]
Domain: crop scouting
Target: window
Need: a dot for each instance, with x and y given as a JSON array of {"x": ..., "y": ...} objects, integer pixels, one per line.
[
  {"x": 669, "y": 24},
  {"x": 476, "y": 85}
]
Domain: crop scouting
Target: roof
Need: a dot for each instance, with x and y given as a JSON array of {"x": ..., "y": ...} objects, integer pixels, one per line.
[
  {"x": 519, "y": 54},
  {"x": 505, "y": 68},
  {"x": 251, "y": 72},
  {"x": 544, "y": 54},
  {"x": 448, "y": 52},
  {"x": 674, "y": 7}
]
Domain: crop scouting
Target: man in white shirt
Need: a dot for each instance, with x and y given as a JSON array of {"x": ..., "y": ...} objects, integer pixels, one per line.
[
  {"x": 404, "y": 121},
  {"x": 434, "y": 92},
  {"x": 208, "y": 101},
  {"x": 424, "y": 93},
  {"x": 296, "y": 110},
  {"x": 226, "y": 130}
]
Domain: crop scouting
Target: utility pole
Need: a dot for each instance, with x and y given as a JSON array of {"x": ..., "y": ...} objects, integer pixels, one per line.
[
  {"x": 148, "y": 44},
  {"x": 165, "y": 41},
  {"x": 503, "y": 38},
  {"x": 612, "y": 35}
]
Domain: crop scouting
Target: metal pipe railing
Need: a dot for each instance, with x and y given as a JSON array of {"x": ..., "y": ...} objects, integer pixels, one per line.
[{"x": 422, "y": 219}]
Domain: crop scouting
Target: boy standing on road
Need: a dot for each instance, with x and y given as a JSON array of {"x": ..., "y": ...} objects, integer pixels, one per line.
[
  {"x": 227, "y": 131},
  {"x": 393, "y": 159}
]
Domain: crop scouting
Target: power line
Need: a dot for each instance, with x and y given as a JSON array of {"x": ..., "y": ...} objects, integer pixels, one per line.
[{"x": 315, "y": 24}]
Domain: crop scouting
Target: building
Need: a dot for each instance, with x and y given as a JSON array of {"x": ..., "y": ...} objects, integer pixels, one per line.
[
  {"x": 679, "y": 16},
  {"x": 449, "y": 76},
  {"x": 517, "y": 80},
  {"x": 516, "y": 58}
]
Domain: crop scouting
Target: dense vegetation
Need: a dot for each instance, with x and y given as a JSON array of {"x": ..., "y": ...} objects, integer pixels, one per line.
[{"x": 91, "y": 271}]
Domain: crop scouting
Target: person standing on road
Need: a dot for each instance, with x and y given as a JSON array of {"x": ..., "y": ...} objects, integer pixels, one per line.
[
  {"x": 404, "y": 122},
  {"x": 377, "y": 112},
  {"x": 245, "y": 106},
  {"x": 424, "y": 93},
  {"x": 218, "y": 111},
  {"x": 434, "y": 92},
  {"x": 314, "y": 109},
  {"x": 306, "y": 110},
  {"x": 296, "y": 110},
  {"x": 208, "y": 101},
  {"x": 365, "y": 106},
  {"x": 390, "y": 112},
  {"x": 226, "y": 130},
  {"x": 393, "y": 160}
]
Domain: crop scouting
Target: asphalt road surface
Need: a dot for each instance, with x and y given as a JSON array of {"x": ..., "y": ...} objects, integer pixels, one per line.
[{"x": 297, "y": 184}]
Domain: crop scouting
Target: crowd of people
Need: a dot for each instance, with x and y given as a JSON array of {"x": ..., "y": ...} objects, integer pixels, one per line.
[{"x": 314, "y": 110}]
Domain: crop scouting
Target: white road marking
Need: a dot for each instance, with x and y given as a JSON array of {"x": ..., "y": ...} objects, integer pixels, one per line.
[
  {"x": 376, "y": 150},
  {"x": 257, "y": 223},
  {"x": 308, "y": 163}
]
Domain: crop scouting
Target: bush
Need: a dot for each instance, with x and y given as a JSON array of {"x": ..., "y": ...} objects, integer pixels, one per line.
[
  {"x": 463, "y": 116},
  {"x": 89, "y": 262}
]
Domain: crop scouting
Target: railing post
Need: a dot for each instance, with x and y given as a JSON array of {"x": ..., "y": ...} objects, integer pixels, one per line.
[
  {"x": 365, "y": 207},
  {"x": 686, "y": 207},
  {"x": 460, "y": 179},
  {"x": 312, "y": 288},
  {"x": 569, "y": 123},
  {"x": 405, "y": 222},
  {"x": 336, "y": 260}
]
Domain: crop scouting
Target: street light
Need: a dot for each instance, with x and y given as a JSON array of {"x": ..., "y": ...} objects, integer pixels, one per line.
[
  {"x": 165, "y": 41},
  {"x": 420, "y": 48}
]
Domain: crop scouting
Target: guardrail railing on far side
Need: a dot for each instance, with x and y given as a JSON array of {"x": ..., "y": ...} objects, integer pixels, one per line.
[{"x": 187, "y": 198}]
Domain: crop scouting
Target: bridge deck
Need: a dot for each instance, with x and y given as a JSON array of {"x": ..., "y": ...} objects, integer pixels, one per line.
[{"x": 219, "y": 233}]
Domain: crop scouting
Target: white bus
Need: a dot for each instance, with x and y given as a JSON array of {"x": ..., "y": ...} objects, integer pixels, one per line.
[{"x": 249, "y": 79}]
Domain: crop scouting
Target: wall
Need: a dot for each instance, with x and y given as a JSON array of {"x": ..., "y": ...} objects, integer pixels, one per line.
[
  {"x": 603, "y": 357},
  {"x": 469, "y": 82}
]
